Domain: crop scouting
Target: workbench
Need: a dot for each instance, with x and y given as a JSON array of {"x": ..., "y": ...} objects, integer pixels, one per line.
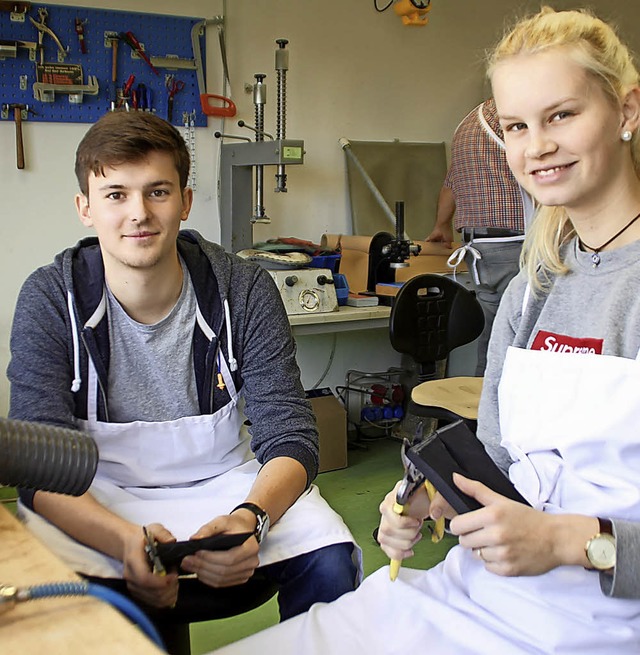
[
  {"x": 345, "y": 319},
  {"x": 356, "y": 338},
  {"x": 71, "y": 625}
]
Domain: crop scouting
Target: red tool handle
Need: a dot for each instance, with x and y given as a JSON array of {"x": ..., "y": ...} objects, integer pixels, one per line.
[
  {"x": 138, "y": 48},
  {"x": 79, "y": 26},
  {"x": 228, "y": 109},
  {"x": 128, "y": 84}
]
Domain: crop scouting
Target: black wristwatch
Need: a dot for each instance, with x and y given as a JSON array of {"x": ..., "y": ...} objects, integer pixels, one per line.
[{"x": 262, "y": 524}]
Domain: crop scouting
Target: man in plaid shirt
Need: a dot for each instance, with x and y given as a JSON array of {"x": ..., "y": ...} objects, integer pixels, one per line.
[{"x": 491, "y": 211}]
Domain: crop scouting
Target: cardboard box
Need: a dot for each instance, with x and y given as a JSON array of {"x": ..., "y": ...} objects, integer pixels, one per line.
[{"x": 332, "y": 426}]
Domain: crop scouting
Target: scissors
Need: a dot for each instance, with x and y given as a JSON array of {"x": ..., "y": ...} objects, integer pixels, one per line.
[{"x": 174, "y": 86}]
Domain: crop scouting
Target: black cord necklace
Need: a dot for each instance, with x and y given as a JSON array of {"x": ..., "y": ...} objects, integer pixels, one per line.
[{"x": 595, "y": 256}]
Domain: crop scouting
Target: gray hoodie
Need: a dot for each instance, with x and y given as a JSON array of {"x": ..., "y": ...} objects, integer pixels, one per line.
[{"x": 58, "y": 325}]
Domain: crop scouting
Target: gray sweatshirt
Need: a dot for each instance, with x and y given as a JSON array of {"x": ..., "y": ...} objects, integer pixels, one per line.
[{"x": 601, "y": 302}]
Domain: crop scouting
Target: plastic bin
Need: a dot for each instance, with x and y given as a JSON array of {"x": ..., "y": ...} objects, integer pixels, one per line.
[
  {"x": 342, "y": 288},
  {"x": 332, "y": 262}
]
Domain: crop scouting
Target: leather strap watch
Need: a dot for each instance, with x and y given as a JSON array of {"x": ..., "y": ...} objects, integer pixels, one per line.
[
  {"x": 601, "y": 548},
  {"x": 262, "y": 519}
]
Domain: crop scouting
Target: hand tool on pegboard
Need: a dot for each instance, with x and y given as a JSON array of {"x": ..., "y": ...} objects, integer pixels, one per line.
[
  {"x": 20, "y": 112},
  {"x": 145, "y": 97},
  {"x": 111, "y": 40},
  {"x": 79, "y": 28},
  {"x": 228, "y": 109},
  {"x": 174, "y": 86},
  {"x": 43, "y": 29},
  {"x": 126, "y": 95},
  {"x": 136, "y": 46}
]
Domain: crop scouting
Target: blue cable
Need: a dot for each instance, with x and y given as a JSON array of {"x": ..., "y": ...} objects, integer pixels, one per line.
[
  {"x": 117, "y": 600},
  {"x": 129, "y": 609}
]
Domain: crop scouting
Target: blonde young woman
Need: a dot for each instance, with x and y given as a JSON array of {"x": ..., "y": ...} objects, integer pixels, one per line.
[{"x": 561, "y": 404}]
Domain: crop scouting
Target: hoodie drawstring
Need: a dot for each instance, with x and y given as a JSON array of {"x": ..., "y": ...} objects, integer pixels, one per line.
[
  {"x": 233, "y": 364},
  {"x": 77, "y": 380},
  {"x": 210, "y": 334}
]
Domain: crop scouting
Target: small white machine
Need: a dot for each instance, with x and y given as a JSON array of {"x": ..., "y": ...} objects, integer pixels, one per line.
[{"x": 306, "y": 290}]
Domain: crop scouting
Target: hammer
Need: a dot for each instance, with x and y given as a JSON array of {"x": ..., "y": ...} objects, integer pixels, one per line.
[{"x": 17, "y": 117}]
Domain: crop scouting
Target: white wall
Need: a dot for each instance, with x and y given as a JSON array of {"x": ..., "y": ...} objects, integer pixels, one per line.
[{"x": 354, "y": 72}]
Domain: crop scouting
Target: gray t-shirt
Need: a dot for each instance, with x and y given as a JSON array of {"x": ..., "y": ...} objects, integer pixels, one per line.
[{"x": 151, "y": 372}]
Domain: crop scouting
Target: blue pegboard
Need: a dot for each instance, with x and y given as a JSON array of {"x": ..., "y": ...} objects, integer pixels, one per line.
[{"x": 160, "y": 36}]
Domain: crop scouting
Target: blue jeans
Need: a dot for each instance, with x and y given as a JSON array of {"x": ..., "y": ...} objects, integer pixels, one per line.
[
  {"x": 316, "y": 577},
  {"x": 319, "y": 576}
]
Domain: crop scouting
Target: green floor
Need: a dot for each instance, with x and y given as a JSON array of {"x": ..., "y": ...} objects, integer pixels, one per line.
[
  {"x": 7, "y": 498},
  {"x": 355, "y": 493}
]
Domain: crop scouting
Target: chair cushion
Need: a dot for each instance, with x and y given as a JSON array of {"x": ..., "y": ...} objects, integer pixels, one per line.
[{"x": 458, "y": 395}]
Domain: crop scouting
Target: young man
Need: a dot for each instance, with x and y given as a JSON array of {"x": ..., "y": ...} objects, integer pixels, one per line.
[{"x": 159, "y": 343}]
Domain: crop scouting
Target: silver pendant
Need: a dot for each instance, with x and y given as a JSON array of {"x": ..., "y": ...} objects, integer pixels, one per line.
[{"x": 595, "y": 258}]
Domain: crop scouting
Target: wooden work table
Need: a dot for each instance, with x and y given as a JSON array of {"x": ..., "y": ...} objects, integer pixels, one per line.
[
  {"x": 69, "y": 626},
  {"x": 344, "y": 320}
]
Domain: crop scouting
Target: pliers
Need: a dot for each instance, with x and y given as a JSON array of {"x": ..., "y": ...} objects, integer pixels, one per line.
[
  {"x": 413, "y": 479},
  {"x": 42, "y": 30},
  {"x": 152, "y": 553}
]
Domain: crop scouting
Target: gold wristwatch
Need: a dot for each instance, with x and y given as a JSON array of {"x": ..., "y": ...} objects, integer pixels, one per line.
[{"x": 601, "y": 548}]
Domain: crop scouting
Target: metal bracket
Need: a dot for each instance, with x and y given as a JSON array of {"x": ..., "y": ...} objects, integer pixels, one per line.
[
  {"x": 173, "y": 62},
  {"x": 18, "y": 10},
  {"x": 109, "y": 38},
  {"x": 47, "y": 92},
  {"x": 9, "y": 49},
  {"x": 6, "y": 107},
  {"x": 135, "y": 54}
]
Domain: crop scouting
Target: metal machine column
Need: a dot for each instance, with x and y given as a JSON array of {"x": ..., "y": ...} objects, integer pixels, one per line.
[{"x": 238, "y": 212}]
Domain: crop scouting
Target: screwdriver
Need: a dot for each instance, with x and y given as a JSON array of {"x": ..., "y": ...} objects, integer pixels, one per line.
[{"x": 133, "y": 43}]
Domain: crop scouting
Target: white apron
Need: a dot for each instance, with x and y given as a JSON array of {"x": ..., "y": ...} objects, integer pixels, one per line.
[
  {"x": 570, "y": 422},
  {"x": 211, "y": 451}
]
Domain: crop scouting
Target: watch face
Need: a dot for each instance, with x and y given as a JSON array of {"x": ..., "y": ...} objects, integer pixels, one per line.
[
  {"x": 262, "y": 526},
  {"x": 262, "y": 519},
  {"x": 601, "y": 552}
]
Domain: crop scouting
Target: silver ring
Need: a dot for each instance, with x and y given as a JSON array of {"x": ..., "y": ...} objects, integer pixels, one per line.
[{"x": 478, "y": 552}]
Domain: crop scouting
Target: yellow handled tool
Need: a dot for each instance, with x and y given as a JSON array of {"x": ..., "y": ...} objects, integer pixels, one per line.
[
  {"x": 394, "y": 565},
  {"x": 412, "y": 479}
]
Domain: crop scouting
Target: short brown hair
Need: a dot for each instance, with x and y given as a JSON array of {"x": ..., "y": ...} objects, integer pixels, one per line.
[{"x": 122, "y": 137}]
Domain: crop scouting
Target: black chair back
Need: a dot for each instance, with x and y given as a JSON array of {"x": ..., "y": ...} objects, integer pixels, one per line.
[{"x": 431, "y": 316}]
